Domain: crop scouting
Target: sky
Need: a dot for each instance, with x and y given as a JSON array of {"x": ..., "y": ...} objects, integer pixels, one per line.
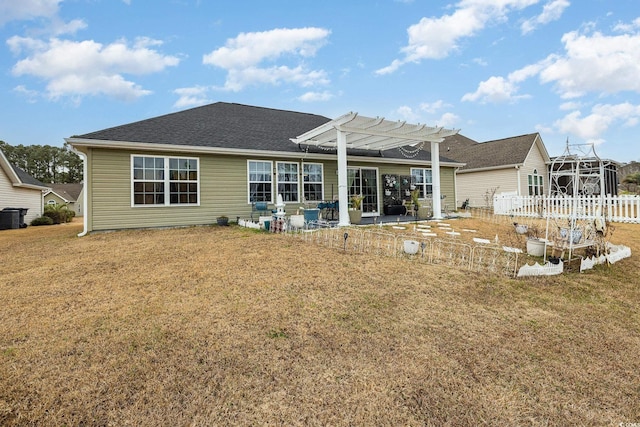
[{"x": 494, "y": 69}]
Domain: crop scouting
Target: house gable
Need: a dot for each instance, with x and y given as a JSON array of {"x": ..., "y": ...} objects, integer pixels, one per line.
[
  {"x": 18, "y": 189},
  {"x": 496, "y": 154}
]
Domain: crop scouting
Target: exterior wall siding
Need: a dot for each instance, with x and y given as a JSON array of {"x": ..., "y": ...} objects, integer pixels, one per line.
[
  {"x": 534, "y": 161},
  {"x": 17, "y": 197},
  {"x": 223, "y": 189},
  {"x": 475, "y": 185}
]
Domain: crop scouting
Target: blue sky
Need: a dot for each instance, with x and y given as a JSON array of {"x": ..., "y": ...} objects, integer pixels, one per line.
[{"x": 568, "y": 69}]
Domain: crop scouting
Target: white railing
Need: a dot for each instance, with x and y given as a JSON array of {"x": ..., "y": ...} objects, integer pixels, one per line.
[{"x": 614, "y": 208}]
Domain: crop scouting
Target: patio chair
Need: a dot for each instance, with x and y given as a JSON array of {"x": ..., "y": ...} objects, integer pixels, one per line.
[{"x": 260, "y": 207}]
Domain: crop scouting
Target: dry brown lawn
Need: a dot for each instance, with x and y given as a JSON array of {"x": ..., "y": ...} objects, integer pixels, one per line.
[{"x": 216, "y": 325}]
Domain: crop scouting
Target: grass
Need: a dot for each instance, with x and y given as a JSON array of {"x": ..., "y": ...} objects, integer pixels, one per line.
[{"x": 226, "y": 326}]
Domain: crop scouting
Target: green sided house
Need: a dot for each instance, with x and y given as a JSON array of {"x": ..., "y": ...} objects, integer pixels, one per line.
[{"x": 189, "y": 167}]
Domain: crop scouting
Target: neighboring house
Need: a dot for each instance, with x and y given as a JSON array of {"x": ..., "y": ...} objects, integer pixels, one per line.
[
  {"x": 18, "y": 189},
  {"x": 188, "y": 167},
  {"x": 512, "y": 165},
  {"x": 66, "y": 194}
]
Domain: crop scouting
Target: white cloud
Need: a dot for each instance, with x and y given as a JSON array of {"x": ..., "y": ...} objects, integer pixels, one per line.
[
  {"x": 494, "y": 90},
  {"x": 244, "y": 57},
  {"x": 552, "y": 11},
  {"x": 436, "y": 38},
  {"x": 316, "y": 96},
  {"x": 592, "y": 63},
  {"x": 601, "y": 118},
  {"x": 448, "y": 120},
  {"x": 433, "y": 107},
  {"x": 570, "y": 105},
  {"x": 18, "y": 10},
  {"x": 58, "y": 27},
  {"x": 417, "y": 115},
  {"x": 595, "y": 63},
  {"x": 191, "y": 96},
  {"x": 30, "y": 95},
  {"x": 406, "y": 113},
  {"x": 77, "y": 69}
]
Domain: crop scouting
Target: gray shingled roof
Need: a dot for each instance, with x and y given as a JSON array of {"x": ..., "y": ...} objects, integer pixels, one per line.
[
  {"x": 500, "y": 152},
  {"x": 69, "y": 192},
  {"x": 230, "y": 125},
  {"x": 25, "y": 178}
]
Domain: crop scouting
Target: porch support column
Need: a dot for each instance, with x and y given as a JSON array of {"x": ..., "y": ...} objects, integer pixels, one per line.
[
  {"x": 343, "y": 194},
  {"x": 435, "y": 180}
]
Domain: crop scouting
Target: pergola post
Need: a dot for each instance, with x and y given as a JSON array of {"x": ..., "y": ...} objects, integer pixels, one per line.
[
  {"x": 435, "y": 180},
  {"x": 343, "y": 193}
]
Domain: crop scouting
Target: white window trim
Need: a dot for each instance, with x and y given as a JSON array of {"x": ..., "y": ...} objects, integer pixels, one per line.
[
  {"x": 302, "y": 196},
  {"x": 424, "y": 183},
  {"x": 249, "y": 181},
  {"x": 540, "y": 183},
  {"x": 167, "y": 182},
  {"x": 298, "y": 172}
]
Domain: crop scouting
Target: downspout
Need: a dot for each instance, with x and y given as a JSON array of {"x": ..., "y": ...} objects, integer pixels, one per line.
[
  {"x": 519, "y": 193},
  {"x": 85, "y": 214}
]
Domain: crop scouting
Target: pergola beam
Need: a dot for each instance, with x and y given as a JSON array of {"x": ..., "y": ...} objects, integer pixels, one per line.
[{"x": 358, "y": 132}]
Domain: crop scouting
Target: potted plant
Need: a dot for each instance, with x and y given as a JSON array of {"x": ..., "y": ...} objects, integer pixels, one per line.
[
  {"x": 535, "y": 245},
  {"x": 355, "y": 212},
  {"x": 222, "y": 220},
  {"x": 421, "y": 211}
]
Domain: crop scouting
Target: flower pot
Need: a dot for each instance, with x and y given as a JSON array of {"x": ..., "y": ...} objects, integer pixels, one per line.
[
  {"x": 355, "y": 216},
  {"x": 222, "y": 220},
  {"x": 296, "y": 221},
  {"x": 535, "y": 247},
  {"x": 424, "y": 212},
  {"x": 411, "y": 247}
]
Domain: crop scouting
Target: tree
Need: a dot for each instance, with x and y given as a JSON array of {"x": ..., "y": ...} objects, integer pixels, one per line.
[
  {"x": 45, "y": 163},
  {"x": 633, "y": 178}
]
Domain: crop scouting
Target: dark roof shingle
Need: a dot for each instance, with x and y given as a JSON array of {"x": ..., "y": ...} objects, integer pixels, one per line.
[
  {"x": 500, "y": 152},
  {"x": 234, "y": 126}
]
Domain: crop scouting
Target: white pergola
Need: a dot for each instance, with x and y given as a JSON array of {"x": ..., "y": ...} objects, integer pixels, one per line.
[{"x": 352, "y": 131}]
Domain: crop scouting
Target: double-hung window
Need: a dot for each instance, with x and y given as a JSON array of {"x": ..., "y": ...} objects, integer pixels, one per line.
[
  {"x": 288, "y": 184},
  {"x": 164, "y": 181},
  {"x": 260, "y": 181},
  {"x": 312, "y": 177},
  {"x": 423, "y": 181}
]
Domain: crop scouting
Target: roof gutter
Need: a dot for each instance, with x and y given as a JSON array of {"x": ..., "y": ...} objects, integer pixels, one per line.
[
  {"x": 125, "y": 145},
  {"x": 513, "y": 166}
]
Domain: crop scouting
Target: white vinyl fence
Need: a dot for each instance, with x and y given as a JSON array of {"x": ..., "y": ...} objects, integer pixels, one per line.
[{"x": 614, "y": 208}]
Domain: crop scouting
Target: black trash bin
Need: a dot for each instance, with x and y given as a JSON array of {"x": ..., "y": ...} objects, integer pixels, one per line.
[
  {"x": 21, "y": 214},
  {"x": 9, "y": 219}
]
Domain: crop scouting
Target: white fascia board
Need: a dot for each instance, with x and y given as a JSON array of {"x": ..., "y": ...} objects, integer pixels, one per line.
[
  {"x": 32, "y": 187},
  {"x": 144, "y": 146},
  {"x": 8, "y": 169},
  {"x": 491, "y": 168},
  {"x": 53, "y": 191}
]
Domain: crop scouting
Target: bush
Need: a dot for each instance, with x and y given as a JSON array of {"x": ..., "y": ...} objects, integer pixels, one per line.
[
  {"x": 42, "y": 220},
  {"x": 59, "y": 213}
]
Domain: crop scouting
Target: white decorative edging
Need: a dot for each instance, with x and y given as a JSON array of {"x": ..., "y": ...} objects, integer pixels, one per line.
[
  {"x": 589, "y": 263},
  {"x": 616, "y": 253},
  {"x": 536, "y": 269}
]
